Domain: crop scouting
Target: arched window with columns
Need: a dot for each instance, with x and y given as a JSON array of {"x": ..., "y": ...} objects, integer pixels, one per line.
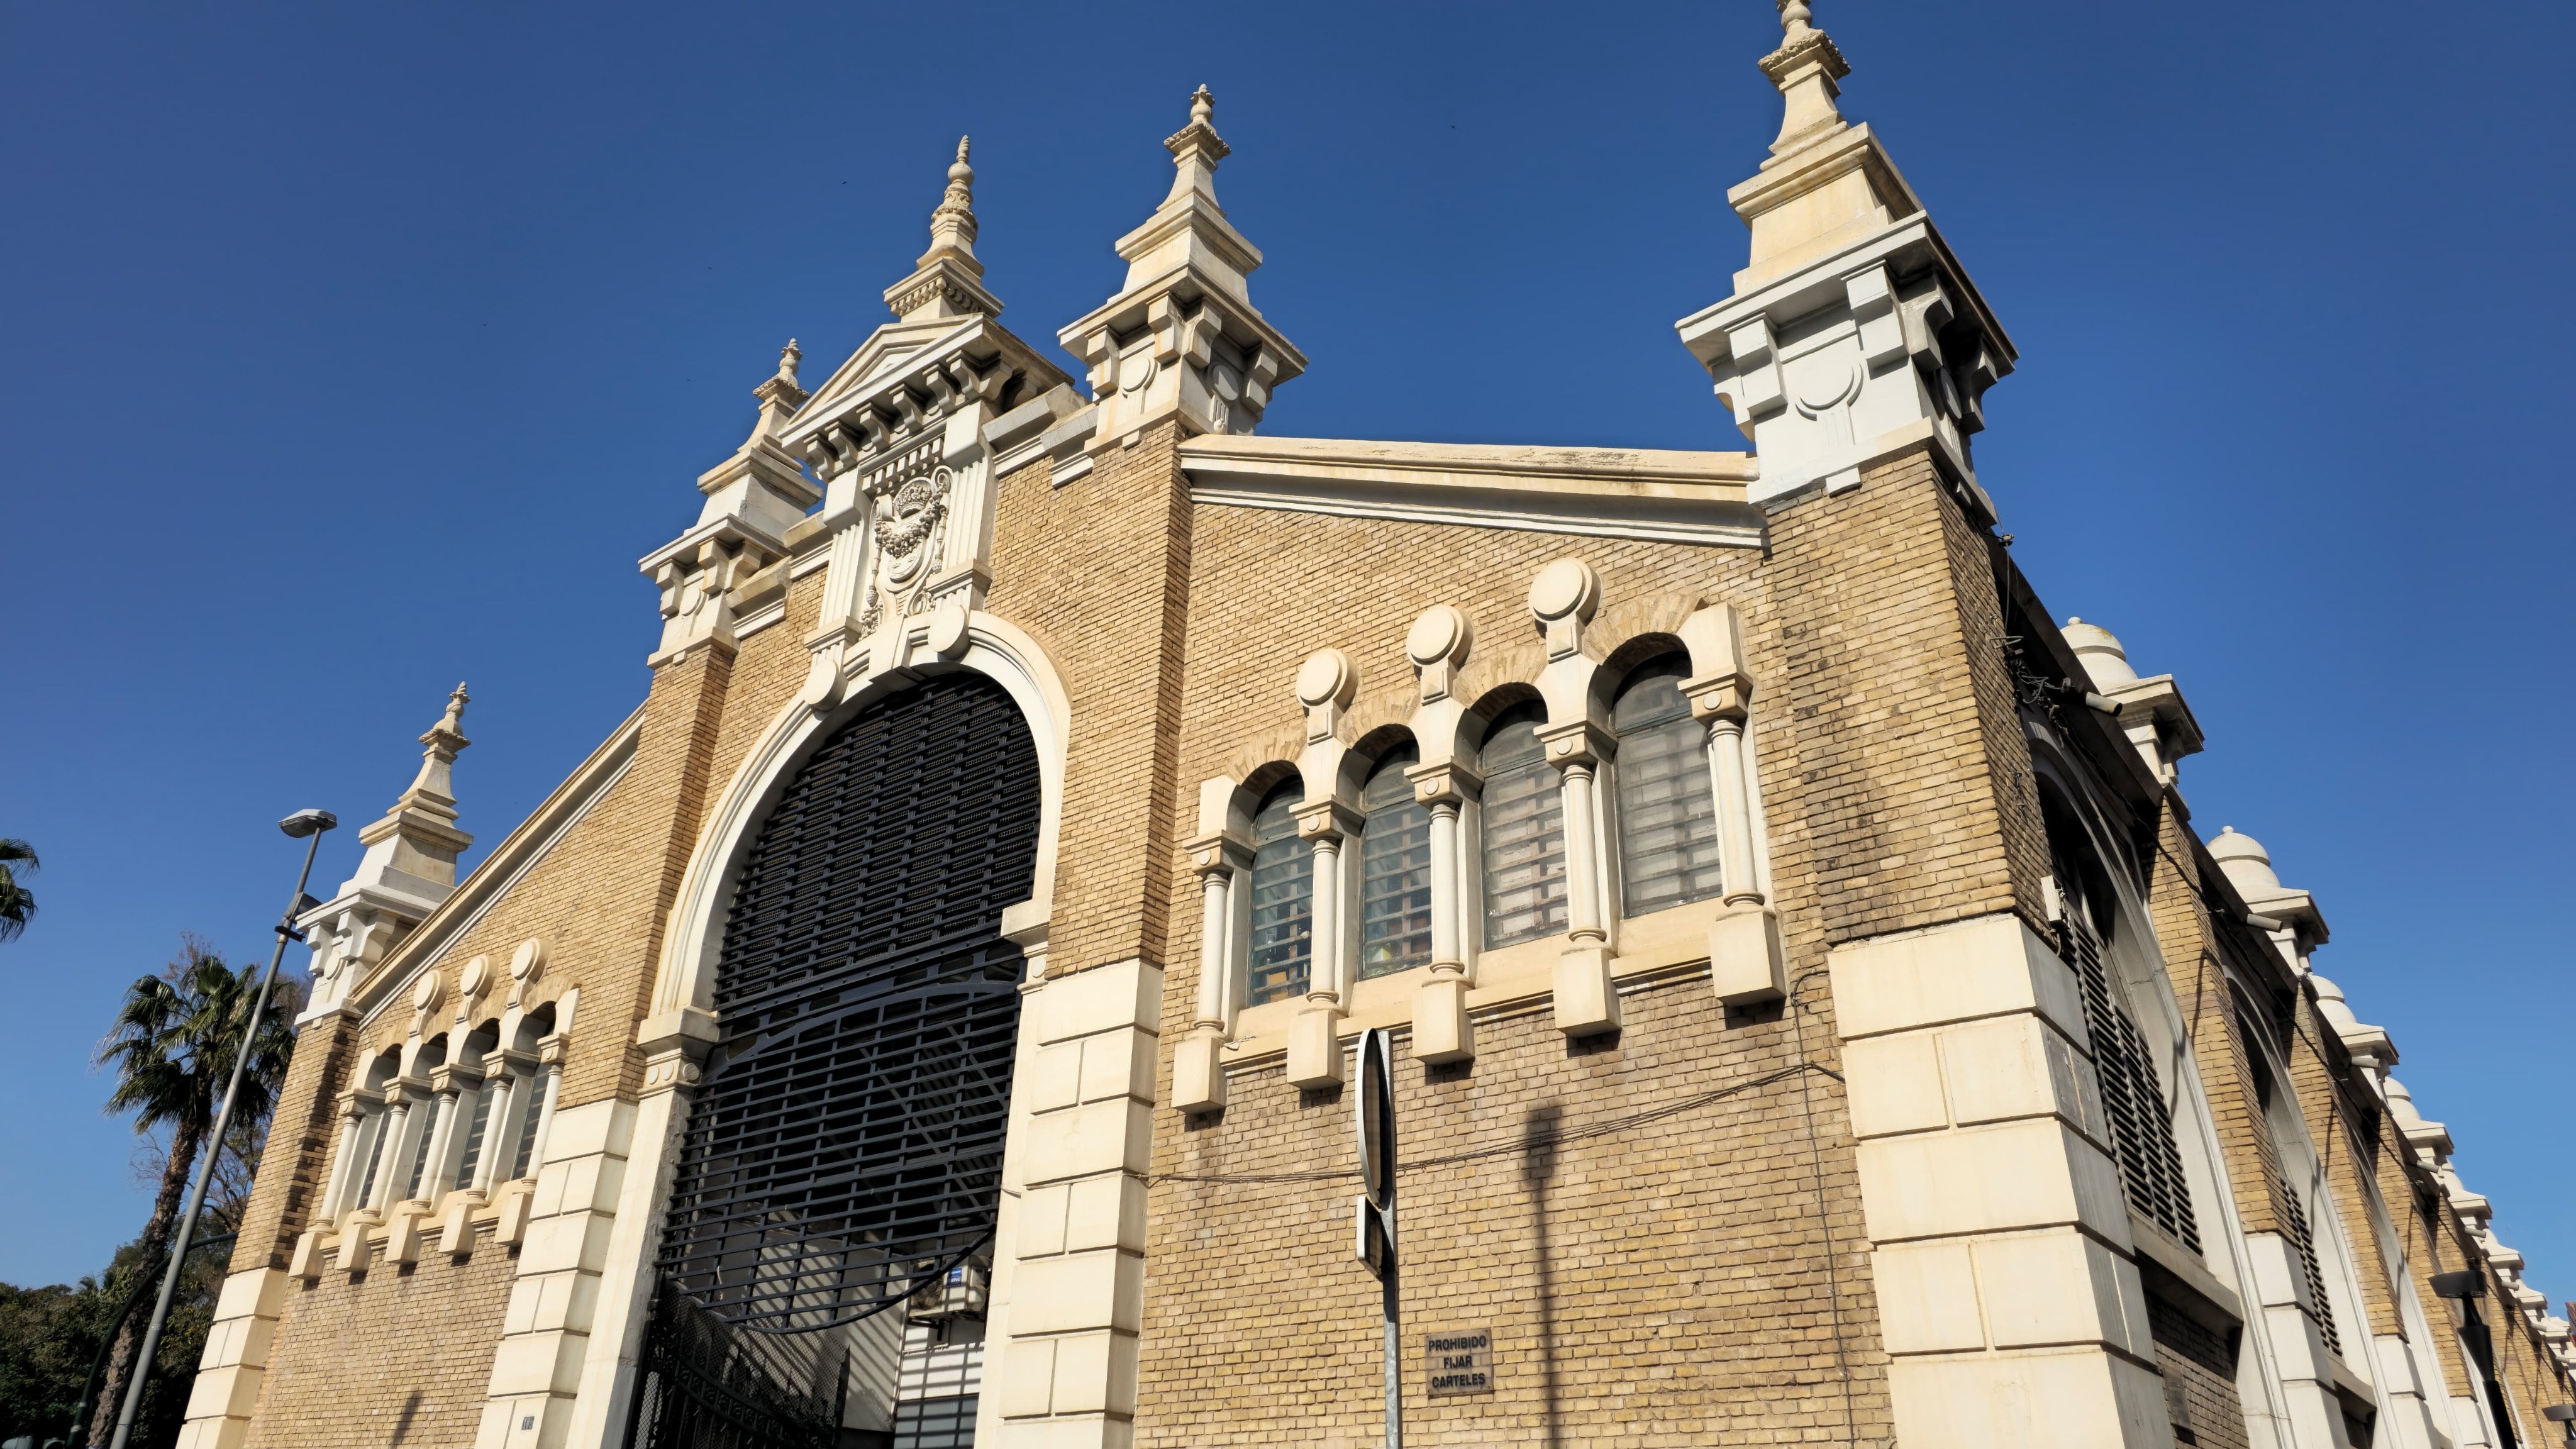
[
  {"x": 1395, "y": 869},
  {"x": 1283, "y": 899},
  {"x": 1524, "y": 832},
  {"x": 1667, "y": 809}
]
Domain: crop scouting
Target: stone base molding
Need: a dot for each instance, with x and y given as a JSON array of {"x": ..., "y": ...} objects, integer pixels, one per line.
[
  {"x": 1069, "y": 1284},
  {"x": 2012, "y": 1306}
]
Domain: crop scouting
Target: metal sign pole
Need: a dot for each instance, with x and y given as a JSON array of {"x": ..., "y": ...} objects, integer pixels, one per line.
[{"x": 1375, "y": 1211}]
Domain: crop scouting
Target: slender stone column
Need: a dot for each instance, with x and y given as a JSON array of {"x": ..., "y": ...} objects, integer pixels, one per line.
[
  {"x": 1314, "y": 1041},
  {"x": 1745, "y": 962},
  {"x": 1586, "y": 1002},
  {"x": 1198, "y": 1072},
  {"x": 1441, "y": 1032}
]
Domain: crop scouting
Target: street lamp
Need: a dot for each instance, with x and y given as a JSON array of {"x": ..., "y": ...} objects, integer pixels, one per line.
[{"x": 299, "y": 826}]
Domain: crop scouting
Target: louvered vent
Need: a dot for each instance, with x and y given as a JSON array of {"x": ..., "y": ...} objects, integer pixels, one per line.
[
  {"x": 2141, "y": 1131},
  {"x": 845, "y": 1147},
  {"x": 2297, "y": 1212}
]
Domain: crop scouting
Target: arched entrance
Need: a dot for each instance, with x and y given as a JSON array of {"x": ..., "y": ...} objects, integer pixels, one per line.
[{"x": 832, "y": 1209}]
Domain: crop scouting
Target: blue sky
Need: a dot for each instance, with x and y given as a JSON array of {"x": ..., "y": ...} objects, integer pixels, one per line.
[{"x": 355, "y": 350}]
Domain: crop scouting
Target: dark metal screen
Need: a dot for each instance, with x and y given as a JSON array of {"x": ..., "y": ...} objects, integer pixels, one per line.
[
  {"x": 2142, "y": 1131},
  {"x": 845, "y": 1146},
  {"x": 703, "y": 1386}
]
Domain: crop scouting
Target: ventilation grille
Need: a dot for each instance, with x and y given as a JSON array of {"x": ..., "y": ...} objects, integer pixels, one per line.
[
  {"x": 845, "y": 1147},
  {"x": 2141, "y": 1131},
  {"x": 2297, "y": 1213}
]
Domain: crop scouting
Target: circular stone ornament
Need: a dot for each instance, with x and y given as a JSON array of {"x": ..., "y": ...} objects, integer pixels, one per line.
[
  {"x": 1565, "y": 588},
  {"x": 529, "y": 961},
  {"x": 426, "y": 991},
  {"x": 476, "y": 975},
  {"x": 1325, "y": 678},
  {"x": 1440, "y": 635}
]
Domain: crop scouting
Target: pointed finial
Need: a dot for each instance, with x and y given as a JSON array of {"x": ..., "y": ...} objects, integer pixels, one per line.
[
  {"x": 952, "y": 226},
  {"x": 788, "y": 357},
  {"x": 1196, "y": 148},
  {"x": 454, "y": 723},
  {"x": 1804, "y": 69}
]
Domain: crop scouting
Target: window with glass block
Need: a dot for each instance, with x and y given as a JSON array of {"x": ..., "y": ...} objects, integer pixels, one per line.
[
  {"x": 1395, "y": 870},
  {"x": 1667, "y": 808},
  {"x": 1524, "y": 833},
  {"x": 1283, "y": 899}
]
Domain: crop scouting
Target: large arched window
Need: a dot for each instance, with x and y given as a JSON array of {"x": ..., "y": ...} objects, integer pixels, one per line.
[
  {"x": 845, "y": 1147},
  {"x": 1283, "y": 899},
  {"x": 1395, "y": 870},
  {"x": 1524, "y": 818},
  {"x": 1668, "y": 851}
]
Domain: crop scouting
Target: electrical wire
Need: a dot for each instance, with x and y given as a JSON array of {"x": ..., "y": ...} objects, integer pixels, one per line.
[{"x": 1605, "y": 1127}]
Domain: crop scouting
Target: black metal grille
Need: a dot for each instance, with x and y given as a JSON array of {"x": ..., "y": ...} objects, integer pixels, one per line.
[
  {"x": 2142, "y": 1132},
  {"x": 845, "y": 1147},
  {"x": 703, "y": 1386}
]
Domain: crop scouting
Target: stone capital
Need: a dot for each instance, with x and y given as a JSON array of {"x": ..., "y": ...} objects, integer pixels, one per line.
[
  {"x": 1447, "y": 783},
  {"x": 1577, "y": 744},
  {"x": 1321, "y": 820},
  {"x": 1718, "y": 696},
  {"x": 1221, "y": 853}
]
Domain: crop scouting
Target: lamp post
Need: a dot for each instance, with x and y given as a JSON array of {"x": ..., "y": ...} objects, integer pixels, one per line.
[{"x": 303, "y": 824}]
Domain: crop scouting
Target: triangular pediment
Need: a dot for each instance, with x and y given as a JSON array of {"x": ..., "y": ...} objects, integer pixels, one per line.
[{"x": 898, "y": 354}]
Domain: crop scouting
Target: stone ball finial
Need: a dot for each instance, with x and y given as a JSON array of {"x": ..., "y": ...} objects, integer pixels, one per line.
[
  {"x": 788, "y": 357},
  {"x": 2100, "y": 652},
  {"x": 2247, "y": 863},
  {"x": 1795, "y": 18},
  {"x": 958, "y": 170},
  {"x": 1202, "y": 105}
]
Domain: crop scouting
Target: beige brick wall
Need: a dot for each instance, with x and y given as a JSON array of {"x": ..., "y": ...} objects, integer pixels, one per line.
[
  {"x": 1682, "y": 1292},
  {"x": 295, "y": 1166},
  {"x": 1096, "y": 572},
  {"x": 398, "y": 1357},
  {"x": 1667, "y": 1284}
]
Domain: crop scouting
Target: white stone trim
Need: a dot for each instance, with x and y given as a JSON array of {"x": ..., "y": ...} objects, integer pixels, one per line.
[
  {"x": 2010, "y": 1301},
  {"x": 1670, "y": 497},
  {"x": 591, "y": 1406}
]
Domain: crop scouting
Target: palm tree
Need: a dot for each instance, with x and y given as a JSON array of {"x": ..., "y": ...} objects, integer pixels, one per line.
[
  {"x": 17, "y": 903},
  {"x": 173, "y": 1047}
]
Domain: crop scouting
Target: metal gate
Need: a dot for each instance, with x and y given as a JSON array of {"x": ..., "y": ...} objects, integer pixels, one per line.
[{"x": 844, "y": 1148}]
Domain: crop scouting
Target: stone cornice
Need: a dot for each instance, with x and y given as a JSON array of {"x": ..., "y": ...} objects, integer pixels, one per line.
[{"x": 1674, "y": 497}]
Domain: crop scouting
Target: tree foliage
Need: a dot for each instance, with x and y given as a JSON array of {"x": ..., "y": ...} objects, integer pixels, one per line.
[{"x": 17, "y": 903}]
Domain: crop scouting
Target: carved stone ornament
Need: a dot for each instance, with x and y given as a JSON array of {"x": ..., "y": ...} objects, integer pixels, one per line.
[{"x": 906, "y": 521}]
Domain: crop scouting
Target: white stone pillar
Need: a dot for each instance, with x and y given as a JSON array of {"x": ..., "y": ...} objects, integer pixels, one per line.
[
  {"x": 2008, "y": 1293},
  {"x": 1441, "y": 1031},
  {"x": 344, "y": 1164},
  {"x": 1314, "y": 1037},
  {"x": 501, "y": 1129},
  {"x": 1082, "y": 1133},
  {"x": 1586, "y": 1001},
  {"x": 1198, "y": 1063},
  {"x": 1745, "y": 962}
]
